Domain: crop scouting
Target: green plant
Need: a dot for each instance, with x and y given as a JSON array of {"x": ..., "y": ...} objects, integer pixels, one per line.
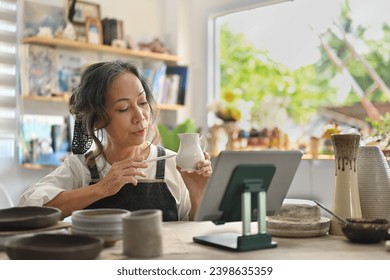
[
  {"x": 169, "y": 137},
  {"x": 381, "y": 128}
]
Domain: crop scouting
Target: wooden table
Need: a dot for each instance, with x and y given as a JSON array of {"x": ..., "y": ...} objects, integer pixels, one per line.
[{"x": 178, "y": 245}]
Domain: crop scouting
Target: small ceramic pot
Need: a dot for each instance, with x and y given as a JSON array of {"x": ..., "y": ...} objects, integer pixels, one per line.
[
  {"x": 366, "y": 230},
  {"x": 142, "y": 234}
]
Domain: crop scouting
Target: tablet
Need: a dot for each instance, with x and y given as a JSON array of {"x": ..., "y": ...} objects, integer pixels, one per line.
[{"x": 285, "y": 162}]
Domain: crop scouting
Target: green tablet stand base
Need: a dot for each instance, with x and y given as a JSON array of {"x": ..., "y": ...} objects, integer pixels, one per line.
[{"x": 245, "y": 180}]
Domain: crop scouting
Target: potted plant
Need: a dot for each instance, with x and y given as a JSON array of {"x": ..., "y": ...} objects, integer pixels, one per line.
[{"x": 381, "y": 133}]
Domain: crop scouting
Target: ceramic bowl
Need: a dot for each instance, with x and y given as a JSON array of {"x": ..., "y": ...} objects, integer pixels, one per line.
[
  {"x": 54, "y": 247},
  {"x": 103, "y": 223},
  {"x": 29, "y": 217},
  {"x": 365, "y": 230}
]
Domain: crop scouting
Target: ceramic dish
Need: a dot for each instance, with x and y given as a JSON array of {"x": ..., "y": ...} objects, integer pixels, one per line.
[
  {"x": 102, "y": 223},
  {"x": 298, "y": 229},
  {"x": 54, "y": 247},
  {"x": 93, "y": 217},
  {"x": 29, "y": 217},
  {"x": 109, "y": 238}
]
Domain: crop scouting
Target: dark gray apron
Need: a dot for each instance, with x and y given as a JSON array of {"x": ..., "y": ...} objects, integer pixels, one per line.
[{"x": 146, "y": 195}]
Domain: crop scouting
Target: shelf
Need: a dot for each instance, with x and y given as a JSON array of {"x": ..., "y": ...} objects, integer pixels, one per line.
[
  {"x": 59, "y": 98},
  {"x": 36, "y": 166},
  {"x": 57, "y": 42},
  {"x": 65, "y": 99}
]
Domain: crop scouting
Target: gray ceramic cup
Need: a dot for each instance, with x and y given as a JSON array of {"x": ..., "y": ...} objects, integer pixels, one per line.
[{"x": 142, "y": 234}]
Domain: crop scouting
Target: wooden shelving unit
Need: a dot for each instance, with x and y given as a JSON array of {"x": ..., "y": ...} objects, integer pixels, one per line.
[{"x": 56, "y": 42}]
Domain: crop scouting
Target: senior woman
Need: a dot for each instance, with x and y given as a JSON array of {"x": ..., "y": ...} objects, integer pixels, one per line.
[{"x": 115, "y": 131}]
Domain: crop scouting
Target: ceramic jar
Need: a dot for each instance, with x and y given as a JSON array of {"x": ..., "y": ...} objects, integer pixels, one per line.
[
  {"x": 142, "y": 234},
  {"x": 346, "y": 199},
  {"x": 374, "y": 182}
]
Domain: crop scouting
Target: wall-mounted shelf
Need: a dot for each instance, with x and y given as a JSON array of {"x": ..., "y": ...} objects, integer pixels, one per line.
[
  {"x": 57, "y": 42},
  {"x": 36, "y": 166},
  {"x": 59, "y": 98},
  {"x": 65, "y": 99}
]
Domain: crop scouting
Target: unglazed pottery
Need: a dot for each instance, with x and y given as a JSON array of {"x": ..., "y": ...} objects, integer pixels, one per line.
[
  {"x": 102, "y": 223},
  {"x": 298, "y": 218},
  {"x": 365, "y": 230},
  {"x": 142, "y": 234}
]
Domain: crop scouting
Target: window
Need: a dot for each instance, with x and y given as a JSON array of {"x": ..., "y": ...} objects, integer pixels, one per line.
[
  {"x": 286, "y": 72},
  {"x": 8, "y": 78}
]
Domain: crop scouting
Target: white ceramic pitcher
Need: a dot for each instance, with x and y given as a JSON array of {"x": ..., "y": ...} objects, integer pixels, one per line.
[{"x": 192, "y": 146}]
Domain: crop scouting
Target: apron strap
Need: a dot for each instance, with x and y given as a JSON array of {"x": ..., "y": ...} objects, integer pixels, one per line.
[
  {"x": 95, "y": 177},
  {"x": 160, "y": 172}
]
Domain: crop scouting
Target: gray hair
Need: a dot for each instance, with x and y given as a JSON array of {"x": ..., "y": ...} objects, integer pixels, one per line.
[{"x": 87, "y": 103}]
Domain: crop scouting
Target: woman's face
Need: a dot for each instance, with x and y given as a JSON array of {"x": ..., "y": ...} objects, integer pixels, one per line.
[{"x": 129, "y": 111}]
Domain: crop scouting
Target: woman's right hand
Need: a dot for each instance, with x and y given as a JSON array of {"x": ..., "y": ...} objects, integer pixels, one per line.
[{"x": 121, "y": 173}]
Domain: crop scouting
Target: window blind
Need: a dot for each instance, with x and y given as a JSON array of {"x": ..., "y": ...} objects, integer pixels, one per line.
[{"x": 8, "y": 78}]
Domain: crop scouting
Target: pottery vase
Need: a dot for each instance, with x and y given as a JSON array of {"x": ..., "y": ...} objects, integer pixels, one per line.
[
  {"x": 231, "y": 128},
  {"x": 69, "y": 31},
  {"x": 346, "y": 199},
  {"x": 374, "y": 182}
]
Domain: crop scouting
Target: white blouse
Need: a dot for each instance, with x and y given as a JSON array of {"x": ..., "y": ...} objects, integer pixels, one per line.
[{"x": 74, "y": 173}]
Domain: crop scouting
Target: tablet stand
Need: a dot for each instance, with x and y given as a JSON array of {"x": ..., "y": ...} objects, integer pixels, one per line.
[{"x": 245, "y": 180}]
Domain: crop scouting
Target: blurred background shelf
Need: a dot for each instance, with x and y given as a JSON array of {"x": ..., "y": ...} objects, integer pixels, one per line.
[{"x": 56, "y": 42}]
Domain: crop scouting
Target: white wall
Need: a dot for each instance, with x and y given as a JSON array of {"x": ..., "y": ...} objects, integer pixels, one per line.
[
  {"x": 314, "y": 180},
  {"x": 16, "y": 179},
  {"x": 184, "y": 25}
]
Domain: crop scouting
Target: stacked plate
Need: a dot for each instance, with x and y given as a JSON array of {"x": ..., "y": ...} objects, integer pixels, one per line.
[
  {"x": 374, "y": 183},
  {"x": 103, "y": 223},
  {"x": 298, "y": 218}
]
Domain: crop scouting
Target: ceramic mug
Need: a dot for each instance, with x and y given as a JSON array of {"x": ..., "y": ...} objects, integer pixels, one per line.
[
  {"x": 192, "y": 146},
  {"x": 142, "y": 234}
]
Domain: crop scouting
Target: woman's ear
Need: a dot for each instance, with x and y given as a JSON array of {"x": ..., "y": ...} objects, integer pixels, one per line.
[
  {"x": 102, "y": 121},
  {"x": 99, "y": 124}
]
